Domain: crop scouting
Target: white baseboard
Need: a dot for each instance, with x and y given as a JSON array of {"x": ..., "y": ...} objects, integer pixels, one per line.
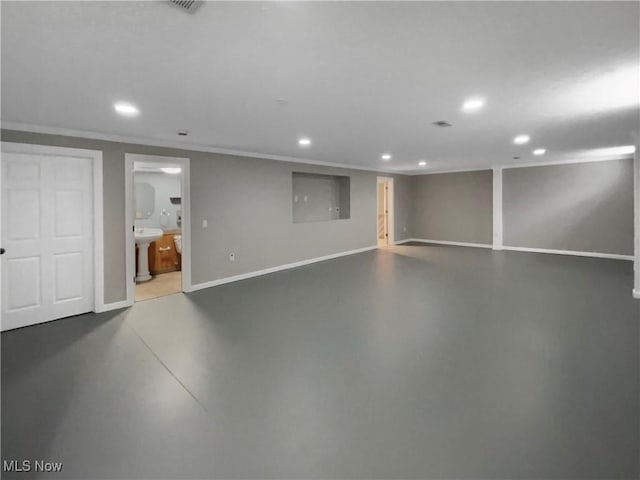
[
  {"x": 613, "y": 256},
  {"x": 114, "y": 306},
  {"x": 636, "y": 294},
  {"x": 406, "y": 240},
  {"x": 455, "y": 244},
  {"x": 279, "y": 268}
]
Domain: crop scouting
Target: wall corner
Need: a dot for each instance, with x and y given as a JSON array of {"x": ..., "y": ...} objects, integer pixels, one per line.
[{"x": 497, "y": 209}]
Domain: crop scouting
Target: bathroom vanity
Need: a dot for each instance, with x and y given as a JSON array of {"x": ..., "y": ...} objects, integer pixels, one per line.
[{"x": 163, "y": 256}]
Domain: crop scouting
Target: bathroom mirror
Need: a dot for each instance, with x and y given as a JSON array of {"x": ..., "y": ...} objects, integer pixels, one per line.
[{"x": 144, "y": 197}]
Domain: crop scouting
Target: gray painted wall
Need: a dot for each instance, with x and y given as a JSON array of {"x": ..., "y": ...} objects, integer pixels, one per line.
[
  {"x": 248, "y": 204},
  {"x": 581, "y": 207},
  {"x": 319, "y": 198},
  {"x": 454, "y": 207}
]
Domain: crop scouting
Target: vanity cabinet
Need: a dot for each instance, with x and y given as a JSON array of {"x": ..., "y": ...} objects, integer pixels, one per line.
[{"x": 163, "y": 257}]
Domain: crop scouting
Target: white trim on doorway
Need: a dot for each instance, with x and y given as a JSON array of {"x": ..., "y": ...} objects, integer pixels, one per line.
[
  {"x": 184, "y": 162},
  {"x": 130, "y": 248},
  {"x": 636, "y": 228},
  {"x": 497, "y": 209},
  {"x": 388, "y": 183},
  {"x": 98, "y": 216}
]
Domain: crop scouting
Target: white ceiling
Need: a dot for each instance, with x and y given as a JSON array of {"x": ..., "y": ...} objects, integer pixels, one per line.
[{"x": 360, "y": 78}]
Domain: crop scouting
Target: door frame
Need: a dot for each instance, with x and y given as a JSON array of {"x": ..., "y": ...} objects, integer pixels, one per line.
[
  {"x": 98, "y": 216},
  {"x": 185, "y": 193},
  {"x": 388, "y": 183}
]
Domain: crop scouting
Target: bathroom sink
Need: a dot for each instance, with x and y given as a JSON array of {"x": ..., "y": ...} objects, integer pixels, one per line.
[
  {"x": 147, "y": 235},
  {"x": 144, "y": 237}
]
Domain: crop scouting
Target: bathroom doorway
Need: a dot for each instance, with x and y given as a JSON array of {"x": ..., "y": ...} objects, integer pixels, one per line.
[
  {"x": 157, "y": 207},
  {"x": 385, "y": 212}
]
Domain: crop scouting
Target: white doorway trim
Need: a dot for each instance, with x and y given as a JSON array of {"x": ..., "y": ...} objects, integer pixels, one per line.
[
  {"x": 185, "y": 185},
  {"x": 636, "y": 194},
  {"x": 388, "y": 182},
  {"x": 98, "y": 226},
  {"x": 497, "y": 209}
]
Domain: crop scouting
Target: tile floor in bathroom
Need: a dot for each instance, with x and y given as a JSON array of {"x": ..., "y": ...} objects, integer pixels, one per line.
[{"x": 159, "y": 286}]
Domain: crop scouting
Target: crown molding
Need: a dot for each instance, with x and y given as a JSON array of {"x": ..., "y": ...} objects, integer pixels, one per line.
[
  {"x": 90, "y": 135},
  {"x": 568, "y": 162},
  {"x": 525, "y": 165},
  {"x": 455, "y": 170},
  {"x": 152, "y": 142}
]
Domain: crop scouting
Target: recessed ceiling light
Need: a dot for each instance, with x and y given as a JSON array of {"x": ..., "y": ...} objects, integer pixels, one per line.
[
  {"x": 521, "y": 139},
  {"x": 422, "y": 163},
  {"x": 386, "y": 157},
  {"x": 472, "y": 104},
  {"x": 171, "y": 170},
  {"x": 304, "y": 142},
  {"x": 126, "y": 109},
  {"x": 539, "y": 151}
]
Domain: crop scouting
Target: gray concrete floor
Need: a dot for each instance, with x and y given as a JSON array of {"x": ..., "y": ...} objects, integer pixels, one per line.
[{"x": 415, "y": 362}]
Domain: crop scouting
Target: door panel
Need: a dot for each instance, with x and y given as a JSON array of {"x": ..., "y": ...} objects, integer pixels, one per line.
[
  {"x": 24, "y": 214},
  {"x": 68, "y": 273},
  {"x": 24, "y": 287},
  {"x": 47, "y": 232},
  {"x": 68, "y": 213}
]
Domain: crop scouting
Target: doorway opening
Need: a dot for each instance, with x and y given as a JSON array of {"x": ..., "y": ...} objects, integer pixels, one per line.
[
  {"x": 385, "y": 212},
  {"x": 157, "y": 206}
]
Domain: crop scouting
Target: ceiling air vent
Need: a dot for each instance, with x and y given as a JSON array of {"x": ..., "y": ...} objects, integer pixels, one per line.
[
  {"x": 187, "y": 5},
  {"x": 442, "y": 123}
]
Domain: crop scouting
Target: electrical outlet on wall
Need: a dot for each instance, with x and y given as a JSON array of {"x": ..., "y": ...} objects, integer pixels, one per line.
[
  {"x": 232, "y": 257},
  {"x": 404, "y": 229}
]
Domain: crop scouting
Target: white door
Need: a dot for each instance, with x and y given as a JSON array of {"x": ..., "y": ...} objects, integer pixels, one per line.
[{"x": 47, "y": 234}]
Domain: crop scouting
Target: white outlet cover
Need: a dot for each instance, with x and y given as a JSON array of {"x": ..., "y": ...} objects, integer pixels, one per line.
[{"x": 205, "y": 224}]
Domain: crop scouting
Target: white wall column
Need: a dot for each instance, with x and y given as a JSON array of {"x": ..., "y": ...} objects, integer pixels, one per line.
[
  {"x": 497, "y": 208},
  {"x": 636, "y": 203}
]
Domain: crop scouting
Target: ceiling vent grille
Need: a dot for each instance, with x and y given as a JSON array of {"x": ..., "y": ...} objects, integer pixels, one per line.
[
  {"x": 441, "y": 124},
  {"x": 189, "y": 6}
]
